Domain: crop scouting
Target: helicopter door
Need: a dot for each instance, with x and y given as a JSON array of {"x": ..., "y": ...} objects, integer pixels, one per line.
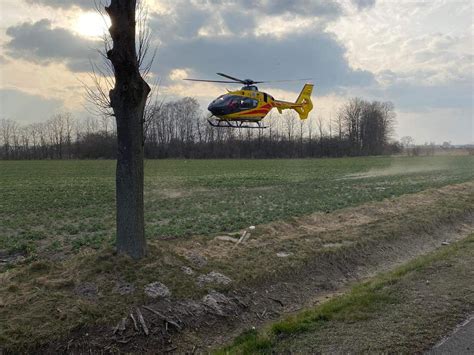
[{"x": 265, "y": 97}]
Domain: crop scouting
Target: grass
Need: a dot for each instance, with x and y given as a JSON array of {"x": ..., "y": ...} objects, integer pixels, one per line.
[
  {"x": 39, "y": 296},
  {"x": 60, "y": 216},
  {"x": 376, "y": 303},
  {"x": 71, "y": 203}
]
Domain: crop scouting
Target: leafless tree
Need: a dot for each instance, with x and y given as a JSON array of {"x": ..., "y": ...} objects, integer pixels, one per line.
[
  {"x": 102, "y": 74},
  {"x": 179, "y": 129},
  {"x": 330, "y": 122},
  {"x": 119, "y": 90},
  {"x": 351, "y": 117},
  {"x": 368, "y": 125},
  {"x": 6, "y": 128},
  {"x": 320, "y": 127},
  {"x": 407, "y": 142},
  {"x": 34, "y": 135},
  {"x": 24, "y": 147},
  {"x": 60, "y": 129},
  {"x": 339, "y": 123},
  {"x": 290, "y": 123}
]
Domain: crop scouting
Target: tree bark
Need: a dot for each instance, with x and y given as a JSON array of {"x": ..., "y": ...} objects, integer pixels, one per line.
[{"x": 128, "y": 99}]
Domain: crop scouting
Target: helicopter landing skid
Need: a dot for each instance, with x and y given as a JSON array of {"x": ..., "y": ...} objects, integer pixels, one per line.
[{"x": 235, "y": 124}]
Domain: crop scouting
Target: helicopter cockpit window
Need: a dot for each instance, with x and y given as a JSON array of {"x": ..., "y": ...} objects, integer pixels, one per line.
[
  {"x": 233, "y": 102},
  {"x": 248, "y": 103},
  {"x": 220, "y": 99}
]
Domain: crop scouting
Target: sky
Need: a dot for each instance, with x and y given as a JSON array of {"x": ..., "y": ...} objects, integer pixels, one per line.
[{"x": 419, "y": 54}]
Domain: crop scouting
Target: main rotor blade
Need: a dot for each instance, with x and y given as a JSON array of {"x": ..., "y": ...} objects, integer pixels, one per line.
[
  {"x": 283, "y": 81},
  {"x": 214, "y": 81},
  {"x": 230, "y": 77}
]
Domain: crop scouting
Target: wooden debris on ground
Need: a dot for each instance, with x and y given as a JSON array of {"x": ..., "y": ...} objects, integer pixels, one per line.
[
  {"x": 226, "y": 238},
  {"x": 142, "y": 321},
  {"x": 243, "y": 238},
  {"x": 135, "y": 326},
  {"x": 162, "y": 316},
  {"x": 121, "y": 326},
  {"x": 276, "y": 300}
]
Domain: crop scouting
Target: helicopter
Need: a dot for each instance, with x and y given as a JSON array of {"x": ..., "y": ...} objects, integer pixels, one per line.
[{"x": 245, "y": 108}]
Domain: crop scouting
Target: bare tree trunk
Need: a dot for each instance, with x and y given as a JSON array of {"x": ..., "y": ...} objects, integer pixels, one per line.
[{"x": 128, "y": 99}]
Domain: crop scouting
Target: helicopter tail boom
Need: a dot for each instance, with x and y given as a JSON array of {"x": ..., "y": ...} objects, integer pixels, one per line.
[
  {"x": 303, "y": 104},
  {"x": 304, "y": 101}
]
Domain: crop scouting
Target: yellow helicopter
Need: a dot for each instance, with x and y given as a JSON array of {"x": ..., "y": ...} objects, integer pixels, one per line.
[{"x": 245, "y": 108}]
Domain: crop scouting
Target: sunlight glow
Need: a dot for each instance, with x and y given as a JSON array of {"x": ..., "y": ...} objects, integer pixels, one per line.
[{"x": 91, "y": 24}]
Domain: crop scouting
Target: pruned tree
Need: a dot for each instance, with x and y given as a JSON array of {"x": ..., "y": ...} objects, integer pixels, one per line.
[{"x": 127, "y": 99}]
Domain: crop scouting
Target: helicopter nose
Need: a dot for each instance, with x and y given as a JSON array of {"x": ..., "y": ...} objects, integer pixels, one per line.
[
  {"x": 215, "y": 109},
  {"x": 212, "y": 108}
]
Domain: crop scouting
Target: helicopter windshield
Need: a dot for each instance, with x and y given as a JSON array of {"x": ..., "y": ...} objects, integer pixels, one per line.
[
  {"x": 221, "y": 99},
  {"x": 226, "y": 100},
  {"x": 227, "y": 104}
]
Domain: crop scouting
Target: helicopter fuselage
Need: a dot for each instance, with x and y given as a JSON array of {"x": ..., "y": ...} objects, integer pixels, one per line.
[
  {"x": 247, "y": 104},
  {"x": 250, "y": 105}
]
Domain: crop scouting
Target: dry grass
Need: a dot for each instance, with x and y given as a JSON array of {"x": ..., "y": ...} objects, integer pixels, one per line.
[
  {"x": 313, "y": 231},
  {"x": 404, "y": 311}
]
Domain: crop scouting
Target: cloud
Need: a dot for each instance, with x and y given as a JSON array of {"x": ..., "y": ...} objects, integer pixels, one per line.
[
  {"x": 183, "y": 21},
  {"x": 319, "y": 8},
  {"x": 314, "y": 55},
  {"x": 3, "y": 59},
  {"x": 26, "y": 108},
  {"x": 238, "y": 17},
  {"x": 364, "y": 4},
  {"x": 64, "y": 4},
  {"x": 41, "y": 43},
  {"x": 245, "y": 38}
]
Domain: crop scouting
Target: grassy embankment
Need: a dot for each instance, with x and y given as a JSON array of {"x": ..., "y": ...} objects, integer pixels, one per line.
[{"x": 407, "y": 310}]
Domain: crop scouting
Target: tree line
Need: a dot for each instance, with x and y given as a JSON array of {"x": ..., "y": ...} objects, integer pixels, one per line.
[{"x": 179, "y": 129}]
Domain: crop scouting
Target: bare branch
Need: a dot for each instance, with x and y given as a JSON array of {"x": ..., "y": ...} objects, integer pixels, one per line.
[{"x": 102, "y": 75}]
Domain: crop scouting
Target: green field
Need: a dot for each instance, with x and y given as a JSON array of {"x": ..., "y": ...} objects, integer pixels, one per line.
[{"x": 63, "y": 206}]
